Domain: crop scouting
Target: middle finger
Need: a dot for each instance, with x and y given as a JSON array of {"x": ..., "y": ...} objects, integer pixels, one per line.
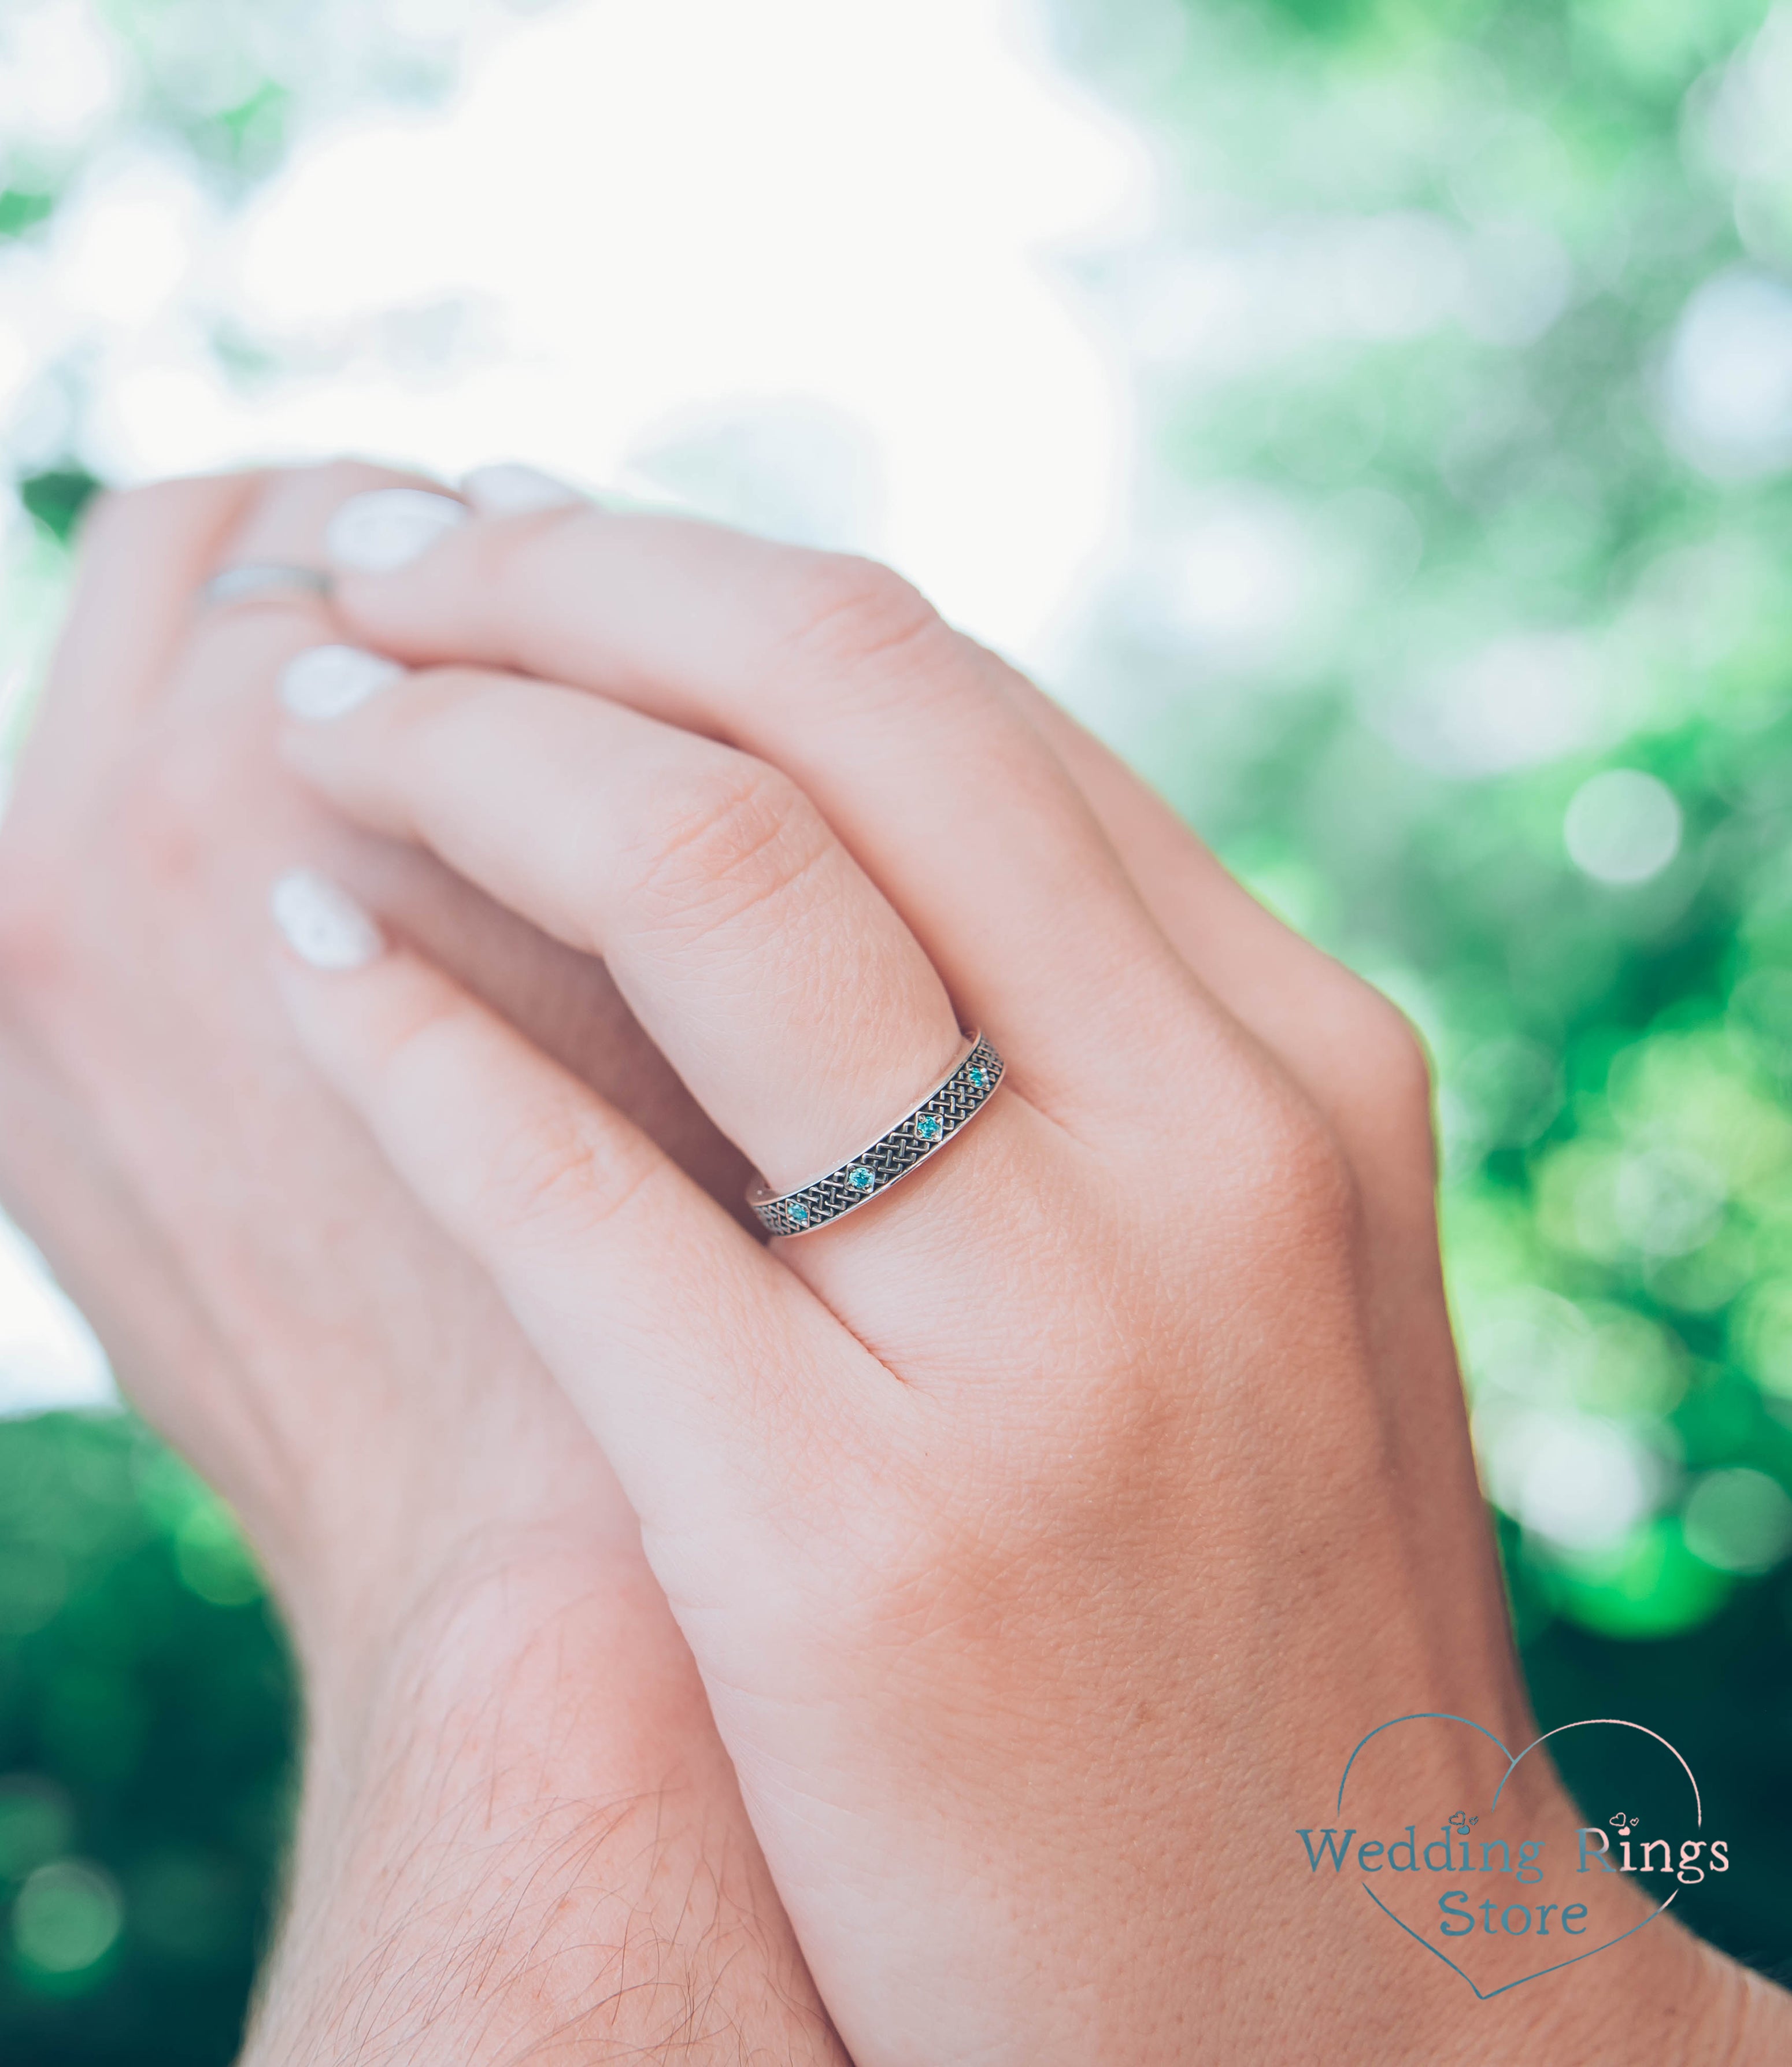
[
  {"x": 898, "y": 727},
  {"x": 772, "y": 973}
]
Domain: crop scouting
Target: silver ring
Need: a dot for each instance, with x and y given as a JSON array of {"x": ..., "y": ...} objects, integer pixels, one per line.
[
  {"x": 922, "y": 1131},
  {"x": 260, "y": 578}
]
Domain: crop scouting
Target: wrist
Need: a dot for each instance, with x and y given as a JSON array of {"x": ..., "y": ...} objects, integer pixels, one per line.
[
  {"x": 1644, "y": 1988},
  {"x": 1673, "y": 1998},
  {"x": 1666, "y": 1996},
  {"x": 518, "y": 1831},
  {"x": 460, "y": 1483},
  {"x": 431, "y": 1616}
]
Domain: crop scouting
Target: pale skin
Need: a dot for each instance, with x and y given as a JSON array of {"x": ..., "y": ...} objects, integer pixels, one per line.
[
  {"x": 1035, "y": 1533},
  {"x": 519, "y": 1838}
]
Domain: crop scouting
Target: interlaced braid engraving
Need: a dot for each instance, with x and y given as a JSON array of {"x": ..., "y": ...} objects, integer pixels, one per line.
[{"x": 918, "y": 1135}]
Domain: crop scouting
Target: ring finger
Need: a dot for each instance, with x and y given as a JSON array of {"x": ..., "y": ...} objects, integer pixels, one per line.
[
  {"x": 786, "y": 990},
  {"x": 233, "y": 641}
]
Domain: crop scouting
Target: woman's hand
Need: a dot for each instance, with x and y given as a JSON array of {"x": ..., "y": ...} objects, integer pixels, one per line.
[
  {"x": 1049, "y": 1532},
  {"x": 519, "y": 1835}
]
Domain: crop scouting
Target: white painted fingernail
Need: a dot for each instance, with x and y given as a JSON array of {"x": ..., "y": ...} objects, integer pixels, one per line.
[
  {"x": 322, "y": 924},
  {"x": 330, "y": 681},
  {"x": 508, "y": 488},
  {"x": 389, "y": 527}
]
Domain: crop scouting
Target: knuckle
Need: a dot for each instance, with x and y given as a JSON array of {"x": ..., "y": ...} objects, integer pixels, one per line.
[
  {"x": 553, "y": 1178},
  {"x": 725, "y": 835},
  {"x": 1299, "y": 1179},
  {"x": 1387, "y": 1049},
  {"x": 1394, "y": 1068},
  {"x": 849, "y": 615},
  {"x": 1397, "y": 1061}
]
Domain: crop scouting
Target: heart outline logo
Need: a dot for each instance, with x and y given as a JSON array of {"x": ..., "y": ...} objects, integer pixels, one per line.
[{"x": 1512, "y": 1764}]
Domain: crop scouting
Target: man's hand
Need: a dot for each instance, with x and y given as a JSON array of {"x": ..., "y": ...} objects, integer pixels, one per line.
[{"x": 519, "y": 1832}]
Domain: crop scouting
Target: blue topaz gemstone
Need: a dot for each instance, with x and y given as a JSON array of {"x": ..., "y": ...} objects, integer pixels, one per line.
[{"x": 929, "y": 1125}]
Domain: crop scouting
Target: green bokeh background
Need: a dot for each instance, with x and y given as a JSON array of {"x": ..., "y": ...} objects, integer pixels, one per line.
[{"x": 1519, "y": 577}]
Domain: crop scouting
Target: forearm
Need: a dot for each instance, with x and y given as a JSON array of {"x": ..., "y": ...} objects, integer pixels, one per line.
[{"x": 523, "y": 1839}]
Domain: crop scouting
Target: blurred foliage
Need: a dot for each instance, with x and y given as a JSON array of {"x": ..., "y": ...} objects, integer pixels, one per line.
[
  {"x": 1456, "y": 622},
  {"x": 1459, "y": 625},
  {"x": 56, "y": 498},
  {"x": 145, "y": 1701},
  {"x": 192, "y": 104}
]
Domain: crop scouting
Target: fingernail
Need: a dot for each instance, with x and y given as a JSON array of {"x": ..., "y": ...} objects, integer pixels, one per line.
[
  {"x": 508, "y": 488},
  {"x": 329, "y": 681},
  {"x": 389, "y": 527},
  {"x": 322, "y": 924}
]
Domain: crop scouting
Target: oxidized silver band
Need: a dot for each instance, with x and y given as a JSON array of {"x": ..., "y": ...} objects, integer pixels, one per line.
[
  {"x": 261, "y": 577},
  {"x": 923, "y": 1131}
]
